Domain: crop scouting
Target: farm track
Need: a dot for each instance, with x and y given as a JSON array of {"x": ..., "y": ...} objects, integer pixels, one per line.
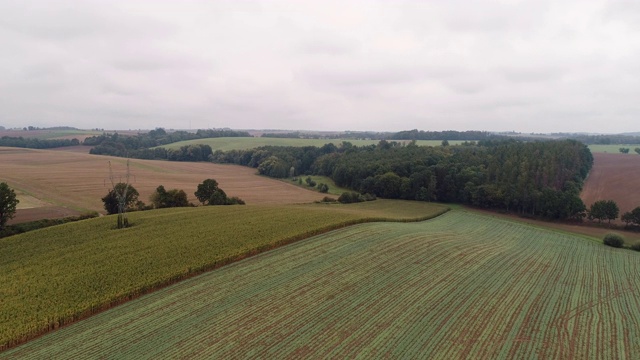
[{"x": 462, "y": 285}]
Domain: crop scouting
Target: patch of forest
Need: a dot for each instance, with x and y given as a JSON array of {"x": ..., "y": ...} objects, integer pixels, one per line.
[{"x": 539, "y": 178}]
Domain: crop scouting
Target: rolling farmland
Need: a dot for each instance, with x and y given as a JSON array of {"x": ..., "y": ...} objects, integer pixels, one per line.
[
  {"x": 462, "y": 285},
  {"x": 52, "y": 276},
  {"x": 66, "y": 183},
  {"x": 243, "y": 143}
]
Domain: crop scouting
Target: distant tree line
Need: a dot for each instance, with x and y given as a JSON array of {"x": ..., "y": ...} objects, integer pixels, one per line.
[
  {"x": 294, "y": 135},
  {"x": 445, "y": 135},
  {"x": 402, "y": 135},
  {"x": 605, "y": 139},
  {"x": 33, "y": 143},
  {"x": 542, "y": 178},
  {"x": 139, "y": 146}
]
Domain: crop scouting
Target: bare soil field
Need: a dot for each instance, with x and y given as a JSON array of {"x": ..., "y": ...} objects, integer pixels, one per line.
[
  {"x": 70, "y": 182},
  {"x": 614, "y": 177}
]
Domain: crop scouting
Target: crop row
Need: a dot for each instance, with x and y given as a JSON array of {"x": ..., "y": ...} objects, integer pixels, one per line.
[
  {"x": 58, "y": 275},
  {"x": 458, "y": 286}
]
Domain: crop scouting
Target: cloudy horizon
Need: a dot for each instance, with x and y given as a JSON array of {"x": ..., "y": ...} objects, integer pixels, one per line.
[{"x": 525, "y": 66}]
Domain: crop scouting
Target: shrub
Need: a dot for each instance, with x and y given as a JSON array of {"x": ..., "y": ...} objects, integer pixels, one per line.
[
  {"x": 234, "y": 200},
  {"x": 636, "y": 246},
  {"x": 328, "y": 199},
  {"x": 613, "y": 240},
  {"x": 310, "y": 181},
  {"x": 350, "y": 197},
  {"x": 323, "y": 188}
]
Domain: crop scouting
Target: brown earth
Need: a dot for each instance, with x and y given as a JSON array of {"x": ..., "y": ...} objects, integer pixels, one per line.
[
  {"x": 614, "y": 177},
  {"x": 68, "y": 181}
]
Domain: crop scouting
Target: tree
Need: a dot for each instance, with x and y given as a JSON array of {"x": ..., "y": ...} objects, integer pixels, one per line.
[
  {"x": 111, "y": 202},
  {"x": 162, "y": 198},
  {"x": 8, "y": 203},
  {"x": 604, "y": 210},
  {"x": 637, "y": 150},
  {"x": 205, "y": 190},
  {"x": 624, "y": 150},
  {"x": 208, "y": 193},
  {"x": 122, "y": 196},
  {"x": 632, "y": 217}
]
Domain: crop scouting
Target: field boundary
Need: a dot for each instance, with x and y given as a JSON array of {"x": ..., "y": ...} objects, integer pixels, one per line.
[{"x": 192, "y": 272}]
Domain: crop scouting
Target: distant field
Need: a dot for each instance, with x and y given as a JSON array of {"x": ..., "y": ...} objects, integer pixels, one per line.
[
  {"x": 56, "y": 275},
  {"x": 461, "y": 286},
  {"x": 242, "y": 143},
  {"x": 614, "y": 177},
  {"x": 51, "y": 134},
  {"x": 76, "y": 181},
  {"x": 613, "y": 149}
]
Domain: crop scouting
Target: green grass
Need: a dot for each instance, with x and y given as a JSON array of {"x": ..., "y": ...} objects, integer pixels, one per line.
[
  {"x": 613, "y": 149},
  {"x": 460, "y": 286},
  {"x": 333, "y": 188},
  {"x": 243, "y": 143},
  {"x": 53, "y": 276}
]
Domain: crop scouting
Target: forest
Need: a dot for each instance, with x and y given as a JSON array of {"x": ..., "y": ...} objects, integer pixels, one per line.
[{"x": 537, "y": 178}]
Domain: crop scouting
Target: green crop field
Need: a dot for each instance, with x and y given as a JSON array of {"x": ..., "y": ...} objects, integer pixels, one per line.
[
  {"x": 613, "y": 149},
  {"x": 243, "y": 143},
  {"x": 460, "y": 286},
  {"x": 56, "y": 275}
]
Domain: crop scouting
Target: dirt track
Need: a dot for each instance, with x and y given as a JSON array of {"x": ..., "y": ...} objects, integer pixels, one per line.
[
  {"x": 72, "y": 181},
  {"x": 614, "y": 177}
]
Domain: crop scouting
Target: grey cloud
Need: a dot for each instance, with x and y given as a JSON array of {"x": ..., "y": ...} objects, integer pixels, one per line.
[{"x": 526, "y": 65}]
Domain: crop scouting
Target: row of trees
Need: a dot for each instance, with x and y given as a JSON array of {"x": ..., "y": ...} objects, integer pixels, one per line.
[
  {"x": 33, "y": 143},
  {"x": 208, "y": 193},
  {"x": 608, "y": 210},
  {"x": 626, "y": 150}
]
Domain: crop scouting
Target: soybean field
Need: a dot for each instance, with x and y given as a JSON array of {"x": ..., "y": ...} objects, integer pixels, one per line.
[{"x": 462, "y": 285}]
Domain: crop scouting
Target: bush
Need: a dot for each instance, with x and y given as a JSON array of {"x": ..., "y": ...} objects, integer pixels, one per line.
[
  {"x": 350, "y": 197},
  {"x": 310, "y": 181},
  {"x": 636, "y": 246},
  {"x": 323, "y": 188},
  {"x": 613, "y": 240}
]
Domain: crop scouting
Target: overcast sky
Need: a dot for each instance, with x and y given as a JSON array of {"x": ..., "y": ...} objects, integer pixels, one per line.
[{"x": 527, "y": 66}]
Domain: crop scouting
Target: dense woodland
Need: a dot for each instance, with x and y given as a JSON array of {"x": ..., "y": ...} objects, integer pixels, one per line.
[{"x": 542, "y": 178}]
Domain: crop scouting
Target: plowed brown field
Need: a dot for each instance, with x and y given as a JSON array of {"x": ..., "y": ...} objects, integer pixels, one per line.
[
  {"x": 65, "y": 182},
  {"x": 614, "y": 177}
]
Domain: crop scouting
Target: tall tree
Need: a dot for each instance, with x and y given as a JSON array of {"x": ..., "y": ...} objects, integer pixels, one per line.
[
  {"x": 111, "y": 200},
  {"x": 8, "y": 203},
  {"x": 121, "y": 194}
]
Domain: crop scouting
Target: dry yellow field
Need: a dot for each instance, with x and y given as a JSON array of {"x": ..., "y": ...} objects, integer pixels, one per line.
[{"x": 63, "y": 183}]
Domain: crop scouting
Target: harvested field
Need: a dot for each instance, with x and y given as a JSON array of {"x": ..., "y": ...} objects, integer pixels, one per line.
[
  {"x": 460, "y": 286},
  {"x": 78, "y": 181},
  {"x": 614, "y": 177}
]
